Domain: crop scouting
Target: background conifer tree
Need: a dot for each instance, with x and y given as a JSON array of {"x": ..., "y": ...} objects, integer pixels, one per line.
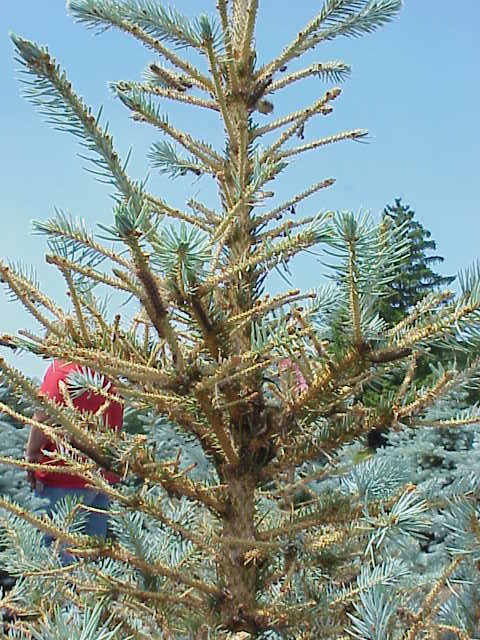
[
  {"x": 415, "y": 278},
  {"x": 12, "y": 479},
  {"x": 14, "y": 438},
  {"x": 250, "y": 398}
]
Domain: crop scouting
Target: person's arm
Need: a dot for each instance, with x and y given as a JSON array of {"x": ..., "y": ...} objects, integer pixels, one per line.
[{"x": 37, "y": 441}]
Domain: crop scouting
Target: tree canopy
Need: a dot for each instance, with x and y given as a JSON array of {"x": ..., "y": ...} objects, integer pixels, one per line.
[
  {"x": 251, "y": 398},
  {"x": 415, "y": 277}
]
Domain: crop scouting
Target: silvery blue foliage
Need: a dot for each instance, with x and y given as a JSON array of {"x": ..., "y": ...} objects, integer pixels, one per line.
[
  {"x": 169, "y": 441},
  {"x": 84, "y": 380},
  {"x": 373, "y": 614},
  {"x": 13, "y": 481},
  {"x": 377, "y": 477},
  {"x": 444, "y": 466},
  {"x": 70, "y": 624}
]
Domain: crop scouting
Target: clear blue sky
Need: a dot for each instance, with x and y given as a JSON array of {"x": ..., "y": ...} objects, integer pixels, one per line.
[{"x": 414, "y": 86}]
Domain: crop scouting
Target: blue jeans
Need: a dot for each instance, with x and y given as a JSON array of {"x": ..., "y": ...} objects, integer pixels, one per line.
[{"x": 96, "y": 524}]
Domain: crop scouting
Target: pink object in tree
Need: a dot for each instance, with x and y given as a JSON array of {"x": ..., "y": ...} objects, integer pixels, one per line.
[{"x": 287, "y": 364}]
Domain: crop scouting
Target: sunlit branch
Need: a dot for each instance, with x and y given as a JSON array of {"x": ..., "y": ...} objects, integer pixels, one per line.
[
  {"x": 91, "y": 274},
  {"x": 356, "y": 134},
  {"x": 335, "y": 71},
  {"x": 152, "y": 43},
  {"x": 274, "y": 150},
  {"x": 170, "y": 94},
  {"x": 27, "y": 294},
  {"x": 275, "y": 214}
]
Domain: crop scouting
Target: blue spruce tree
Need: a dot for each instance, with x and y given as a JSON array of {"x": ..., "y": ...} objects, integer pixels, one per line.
[{"x": 250, "y": 398}]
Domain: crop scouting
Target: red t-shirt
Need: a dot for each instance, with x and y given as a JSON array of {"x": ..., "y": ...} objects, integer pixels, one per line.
[{"x": 88, "y": 401}]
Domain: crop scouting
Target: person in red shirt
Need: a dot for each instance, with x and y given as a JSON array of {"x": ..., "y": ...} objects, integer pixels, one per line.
[{"x": 55, "y": 486}]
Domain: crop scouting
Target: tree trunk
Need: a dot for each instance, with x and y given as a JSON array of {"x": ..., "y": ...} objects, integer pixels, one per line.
[{"x": 237, "y": 576}]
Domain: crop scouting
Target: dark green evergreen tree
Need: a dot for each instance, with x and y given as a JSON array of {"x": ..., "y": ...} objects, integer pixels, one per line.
[{"x": 415, "y": 277}]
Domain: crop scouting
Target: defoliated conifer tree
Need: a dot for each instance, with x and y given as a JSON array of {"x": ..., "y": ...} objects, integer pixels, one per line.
[{"x": 243, "y": 513}]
